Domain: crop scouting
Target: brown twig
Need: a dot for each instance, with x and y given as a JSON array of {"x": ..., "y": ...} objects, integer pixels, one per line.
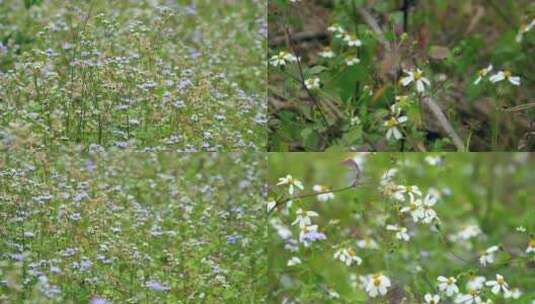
[
  {"x": 444, "y": 122},
  {"x": 435, "y": 109}
]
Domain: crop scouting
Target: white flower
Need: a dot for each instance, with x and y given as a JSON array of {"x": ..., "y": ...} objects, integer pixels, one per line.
[
  {"x": 388, "y": 176},
  {"x": 347, "y": 256},
  {"x": 448, "y": 285},
  {"x": 367, "y": 244},
  {"x": 515, "y": 293},
  {"x": 312, "y": 83},
  {"x": 392, "y": 124},
  {"x": 429, "y": 202},
  {"x": 270, "y": 205},
  {"x": 355, "y": 121},
  {"x": 401, "y": 232},
  {"x": 498, "y": 285},
  {"x": 337, "y": 30},
  {"x": 471, "y": 298},
  {"x": 303, "y": 218},
  {"x": 291, "y": 182},
  {"x": 350, "y": 61},
  {"x": 521, "y": 229},
  {"x": 294, "y": 261},
  {"x": 416, "y": 77},
  {"x": 431, "y": 299},
  {"x": 501, "y": 75},
  {"x": 488, "y": 256},
  {"x": 333, "y": 294},
  {"x": 377, "y": 284},
  {"x": 469, "y": 232},
  {"x": 327, "y": 53},
  {"x": 325, "y": 196},
  {"x": 433, "y": 160},
  {"x": 282, "y": 59},
  {"x": 476, "y": 283},
  {"x": 415, "y": 208},
  {"x": 352, "y": 40},
  {"x": 482, "y": 73},
  {"x": 523, "y": 30},
  {"x": 531, "y": 246}
]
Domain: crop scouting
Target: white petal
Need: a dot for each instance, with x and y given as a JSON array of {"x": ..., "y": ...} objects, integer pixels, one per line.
[
  {"x": 515, "y": 80},
  {"x": 405, "y": 81},
  {"x": 420, "y": 86},
  {"x": 397, "y": 134},
  {"x": 497, "y": 77}
]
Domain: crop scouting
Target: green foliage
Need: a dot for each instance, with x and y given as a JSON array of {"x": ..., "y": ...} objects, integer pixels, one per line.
[
  {"x": 132, "y": 227},
  {"x": 450, "y": 41},
  {"x": 487, "y": 191}
]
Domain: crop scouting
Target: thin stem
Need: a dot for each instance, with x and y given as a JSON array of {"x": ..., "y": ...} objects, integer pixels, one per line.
[
  {"x": 302, "y": 78},
  {"x": 282, "y": 201}
]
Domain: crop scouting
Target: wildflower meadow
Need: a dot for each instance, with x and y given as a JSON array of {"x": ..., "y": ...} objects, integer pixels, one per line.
[
  {"x": 401, "y": 228},
  {"x": 401, "y": 75},
  {"x": 118, "y": 227},
  {"x": 150, "y": 75}
]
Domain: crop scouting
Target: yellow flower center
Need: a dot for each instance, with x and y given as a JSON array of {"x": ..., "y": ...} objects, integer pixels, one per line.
[
  {"x": 377, "y": 281},
  {"x": 392, "y": 122},
  {"x": 500, "y": 281},
  {"x": 531, "y": 243},
  {"x": 418, "y": 75},
  {"x": 507, "y": 74}
]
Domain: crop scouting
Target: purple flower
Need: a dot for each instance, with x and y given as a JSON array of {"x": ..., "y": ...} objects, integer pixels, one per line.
[
  {"x": 97, "y": 300},
  {"x": 156, "y": 286},
  {"x": 90, "y": 166},
  {"x": 313, "y": 236}
]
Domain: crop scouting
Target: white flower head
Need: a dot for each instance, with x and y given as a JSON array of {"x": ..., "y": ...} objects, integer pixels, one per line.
[
  {"x": 505, "y": 75},
  {"x": 350, "y": 61},
  {"x": 524, "y": 29},
  {"x": 323, "y": 195},
  {"x": 282, "y": 59},
  {"x": 294, "y": 261},
  {"x": 434, "y": 160},
  {"x": 352, "y": 40},
  {"x": 431, "y": 299},
  {"x": 417, "y": 77},
  {"x": 347, "y": 256},
  {"x": 377, "y": 284},
  {"x": 312, "y": 83},
  {"x": 415, "y": 208},
  {"x": 337, "y": 30},
  {"x": 327, "y": 53},
  {"x": 429, "y": 202},
  {"x": 476, "y": 283},
  {"x": 470, "y": 298},
  {"x": 393, "y": 123},
  {"x": 291, "y": 182},
  {"x": 488, "y": 256},
  {"x": 448, "y": 285},
  {"x": 401, "y": 232},
  {"x": 482, "y": 73},
  {"x": 498, "y": 285},
  {"x": 303, "y": 218}
]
